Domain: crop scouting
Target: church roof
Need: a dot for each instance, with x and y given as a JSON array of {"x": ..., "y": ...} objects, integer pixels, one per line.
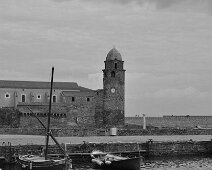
[
  {"x": 113, "y": 54},
  {"x": 40, "y": 85}
]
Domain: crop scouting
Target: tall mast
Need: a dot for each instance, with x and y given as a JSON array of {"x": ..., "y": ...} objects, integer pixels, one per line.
[{"x": 49, "y": 114}]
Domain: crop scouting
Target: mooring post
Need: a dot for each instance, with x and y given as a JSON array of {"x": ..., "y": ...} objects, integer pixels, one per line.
[{"x": 10, "y": 152}]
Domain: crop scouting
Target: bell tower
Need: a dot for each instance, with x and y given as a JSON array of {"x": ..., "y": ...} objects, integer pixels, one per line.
[{"x": 113, "y": 89}]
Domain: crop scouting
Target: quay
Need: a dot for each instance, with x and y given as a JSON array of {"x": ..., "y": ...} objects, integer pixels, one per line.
[{"x": 80, "y": 151}]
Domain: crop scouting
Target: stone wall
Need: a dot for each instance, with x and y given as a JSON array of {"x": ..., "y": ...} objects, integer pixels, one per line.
[
  {"x": 99, "y": 108},
  {"x": 179, "y": 148},
  {"x": 63, "y": 115},
  {"x": 9, "y": 118},
  {"x": 173, "y": 121}
]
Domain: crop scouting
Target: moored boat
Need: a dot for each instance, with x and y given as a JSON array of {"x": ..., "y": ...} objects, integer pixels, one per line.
[
  {"x": 35, "y": 162},
  {"x": 2, "y": 160},
  {"x": 109, "y": 161},
  {"x": 45, "y": 162}
]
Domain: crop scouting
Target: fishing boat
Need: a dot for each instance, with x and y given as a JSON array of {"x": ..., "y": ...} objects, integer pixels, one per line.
[
  {"x": 45, "y": 162},
  {"x": 109, "y": 161},
  {"x": 40, "y": 163},
  {"x": 2, "y": 160}
]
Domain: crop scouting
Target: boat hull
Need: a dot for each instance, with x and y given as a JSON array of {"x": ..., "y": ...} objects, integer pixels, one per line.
[
  {"x": 50, "y": 167},
  {"x": 2, "y": 160},
  {"x": 38, "y": 163},
  {"x": 127, "y": 164}
]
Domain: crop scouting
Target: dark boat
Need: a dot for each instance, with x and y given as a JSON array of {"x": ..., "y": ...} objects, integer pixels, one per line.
[
  {"x": 45, "y": 162},
  {"x": 109, "y": 161},
  {"x": 2, "y": 160}
]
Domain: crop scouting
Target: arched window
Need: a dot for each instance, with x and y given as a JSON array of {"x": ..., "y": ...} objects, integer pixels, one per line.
[
  {"x": 115, "y": 65},
  {"x": 113, "y": 74},
  {"x": 54, "y": 98},
  {"x": 23, "y": 98}
]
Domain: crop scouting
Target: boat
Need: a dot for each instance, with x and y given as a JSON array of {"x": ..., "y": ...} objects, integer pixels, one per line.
[
  {"x": 40, "y": 163},
  {"x": 2, "y": 160},
  {"x": 44, "y": 161},
  {"x": 110, "y": 161}
]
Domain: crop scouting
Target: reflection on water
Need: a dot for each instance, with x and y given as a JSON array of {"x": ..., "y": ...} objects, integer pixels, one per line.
[{"x": 183, "y": 163}]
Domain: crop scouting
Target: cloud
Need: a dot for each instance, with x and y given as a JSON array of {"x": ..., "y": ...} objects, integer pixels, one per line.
[
  {"x": 177, "y": 93},
  {"x": 160, "y": 4},
  {"x": 95, "y": 80}
]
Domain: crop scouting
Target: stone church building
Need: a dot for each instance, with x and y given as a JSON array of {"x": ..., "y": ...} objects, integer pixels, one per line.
[{"x": 72, "y": 105}]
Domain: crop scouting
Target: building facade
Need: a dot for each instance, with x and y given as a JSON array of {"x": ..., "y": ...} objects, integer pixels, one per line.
[{"x": 72, "y": 104}]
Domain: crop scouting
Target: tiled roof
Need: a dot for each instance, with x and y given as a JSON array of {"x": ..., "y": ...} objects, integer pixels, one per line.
[{"x": 41, "y": 85}]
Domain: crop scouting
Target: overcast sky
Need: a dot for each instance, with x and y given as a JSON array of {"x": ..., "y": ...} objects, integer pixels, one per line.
[{"x": 166, "y": 46}]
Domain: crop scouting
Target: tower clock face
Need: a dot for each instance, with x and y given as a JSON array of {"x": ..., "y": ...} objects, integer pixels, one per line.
[{"x": 113, "y": 90}]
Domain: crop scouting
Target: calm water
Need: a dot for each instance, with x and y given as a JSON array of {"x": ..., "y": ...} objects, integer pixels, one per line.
[{"x": 185, "y": 163}]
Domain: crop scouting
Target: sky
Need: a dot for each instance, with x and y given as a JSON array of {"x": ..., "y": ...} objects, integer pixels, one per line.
[{"x": 166, "y": 46}]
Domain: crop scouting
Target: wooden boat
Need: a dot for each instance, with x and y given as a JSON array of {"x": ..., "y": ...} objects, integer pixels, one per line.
[
  {"x": 35, "y": 162},
  {"x": 40, "y": 163},
  {"x": 109, "y": 161}
]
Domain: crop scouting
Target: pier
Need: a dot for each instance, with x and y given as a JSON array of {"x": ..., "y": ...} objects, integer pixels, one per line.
[{"x": 81, "y": 151}]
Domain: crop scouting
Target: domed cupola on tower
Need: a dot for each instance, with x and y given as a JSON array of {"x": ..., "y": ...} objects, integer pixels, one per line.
[
  {"x": 114, "y": 89},
  {"x": 114, "y": 54}
]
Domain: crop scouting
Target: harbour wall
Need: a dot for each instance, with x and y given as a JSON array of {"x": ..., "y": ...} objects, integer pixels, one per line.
[
  {"x": 147, "y": 149},
  {"x": 172, "y": 121}
]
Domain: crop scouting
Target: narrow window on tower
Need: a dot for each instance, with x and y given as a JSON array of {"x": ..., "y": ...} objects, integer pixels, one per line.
[
  {"x": 88, "y": 99},
  {"x": 115, "y": 65},
  {"x": 73, "y": 99},
  {"x": 113, "y": 74}
]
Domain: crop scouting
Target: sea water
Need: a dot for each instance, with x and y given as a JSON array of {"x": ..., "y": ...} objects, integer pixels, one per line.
[{"x": 182, "y": 163}]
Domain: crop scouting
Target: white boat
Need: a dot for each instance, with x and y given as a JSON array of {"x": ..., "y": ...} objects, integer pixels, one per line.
[{"x": 109, "y": 161}]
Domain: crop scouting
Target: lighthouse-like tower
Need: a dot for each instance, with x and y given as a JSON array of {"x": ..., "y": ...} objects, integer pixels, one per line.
[{"x": 113, "y": 89}]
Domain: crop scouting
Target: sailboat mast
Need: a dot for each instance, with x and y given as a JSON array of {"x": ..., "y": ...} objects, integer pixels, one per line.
[{"x": 49, "y": 114}]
